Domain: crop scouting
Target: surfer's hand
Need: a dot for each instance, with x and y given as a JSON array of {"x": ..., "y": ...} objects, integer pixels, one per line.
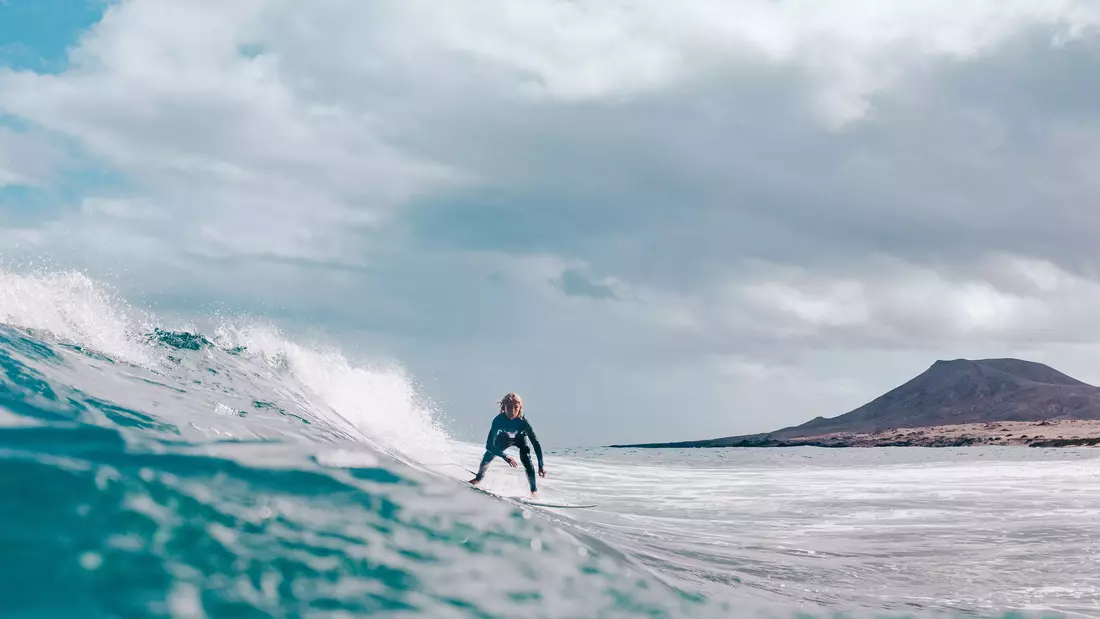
[
  {"x": 511, "y": 461},
  {"x": 542, "y": 472}
]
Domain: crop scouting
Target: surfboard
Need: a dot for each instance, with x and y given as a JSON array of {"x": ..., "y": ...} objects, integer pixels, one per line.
[
  {"x": 554, "y": 505},
  {"x": 535, "y": 502}
]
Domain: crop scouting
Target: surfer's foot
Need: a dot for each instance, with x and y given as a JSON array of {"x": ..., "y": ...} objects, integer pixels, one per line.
[
  {"x": 475, "y": 481},
  {"x": 534, "y": 495}
]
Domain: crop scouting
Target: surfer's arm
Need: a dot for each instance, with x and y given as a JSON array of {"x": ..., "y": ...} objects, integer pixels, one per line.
[
  {"x": 535, "y": 443},
  {"x": 491, "y": 441}
]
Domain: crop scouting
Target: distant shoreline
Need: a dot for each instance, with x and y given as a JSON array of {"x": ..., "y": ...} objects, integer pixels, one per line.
[{"x": 1052, "y": 433}]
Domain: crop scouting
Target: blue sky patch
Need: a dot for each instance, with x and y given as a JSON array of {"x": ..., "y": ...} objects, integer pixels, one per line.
[
  {"x": 36, "y": 34},
  {"x": 23, "y": 206}
]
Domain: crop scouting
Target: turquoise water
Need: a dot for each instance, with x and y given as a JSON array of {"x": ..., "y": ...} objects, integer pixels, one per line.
[{"x": 149, "y": 471}]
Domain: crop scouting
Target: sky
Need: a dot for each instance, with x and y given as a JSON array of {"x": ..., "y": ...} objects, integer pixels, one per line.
[{"x": 655, "y": 221}]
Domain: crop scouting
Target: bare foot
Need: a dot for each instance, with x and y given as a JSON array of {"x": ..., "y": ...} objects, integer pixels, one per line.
[
  {"x": 475, "y": 481},
  {"x": 534, "y": 495}
]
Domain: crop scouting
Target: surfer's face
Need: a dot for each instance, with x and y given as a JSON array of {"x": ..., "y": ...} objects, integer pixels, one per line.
[{"x": 511, "y": 410}]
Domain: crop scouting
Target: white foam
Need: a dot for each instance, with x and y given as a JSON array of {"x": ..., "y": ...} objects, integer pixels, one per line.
[
  {"x": 379, "y": 402},
  {"x": 343, "y": 458},
  {"x": 75, "y": 310}
]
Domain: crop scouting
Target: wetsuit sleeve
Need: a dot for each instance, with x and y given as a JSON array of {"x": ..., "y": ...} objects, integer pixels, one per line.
[
  {"x": 534, "y": 442},
  {"x": 491, "y": 441}
]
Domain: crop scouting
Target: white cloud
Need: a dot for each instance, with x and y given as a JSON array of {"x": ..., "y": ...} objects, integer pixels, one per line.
[
  {"x": 765, "y": 311},
  {"x": 165, "y": 96},
  {"x": 609, "y": 50},
  {"x": 1003, "y": 299},
  {"x": 861, "y": 48},
  {"x": 27, "y": 160},
  {"x": 747, "y": 369},
  {"x": 279, "y": 126},
  {"x": 119, "y": 208},
  {"x": 644, "y": 154},
  {"x": 7, "y": 177},
  {"x": 8, "y": 159}
]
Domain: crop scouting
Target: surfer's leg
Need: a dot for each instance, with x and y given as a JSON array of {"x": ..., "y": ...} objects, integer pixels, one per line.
[
  {"x": 483, "y": 468},
  {"x": 525, "y": 458}
]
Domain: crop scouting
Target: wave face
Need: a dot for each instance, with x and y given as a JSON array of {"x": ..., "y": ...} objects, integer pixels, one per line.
[{"x": 159, "y": 471}]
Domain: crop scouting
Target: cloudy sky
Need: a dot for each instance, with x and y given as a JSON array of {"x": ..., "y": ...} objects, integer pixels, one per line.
[{"x": 655, "y": 221}]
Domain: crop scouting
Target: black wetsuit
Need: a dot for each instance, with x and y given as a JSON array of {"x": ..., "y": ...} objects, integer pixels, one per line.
[{"x": 506, "y": 433}]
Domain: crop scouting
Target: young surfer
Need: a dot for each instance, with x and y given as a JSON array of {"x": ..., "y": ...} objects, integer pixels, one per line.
[{"x": 511, "y": 429}]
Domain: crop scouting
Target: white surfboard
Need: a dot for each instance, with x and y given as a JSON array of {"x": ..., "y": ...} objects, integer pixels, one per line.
[{"x": 536, "y": 502}]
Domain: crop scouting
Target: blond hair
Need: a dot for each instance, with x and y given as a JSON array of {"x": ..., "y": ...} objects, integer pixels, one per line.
[{"x": 512, "y": 398}]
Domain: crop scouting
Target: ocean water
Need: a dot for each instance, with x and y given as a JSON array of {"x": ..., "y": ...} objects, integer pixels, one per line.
[{"x": 156, "y": 470}]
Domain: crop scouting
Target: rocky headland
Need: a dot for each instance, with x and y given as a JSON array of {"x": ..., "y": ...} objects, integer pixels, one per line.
[{"x": 953, "y": 403}]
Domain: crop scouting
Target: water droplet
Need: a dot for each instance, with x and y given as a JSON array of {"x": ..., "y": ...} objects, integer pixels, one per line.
[{"x": 91, "y": 561}]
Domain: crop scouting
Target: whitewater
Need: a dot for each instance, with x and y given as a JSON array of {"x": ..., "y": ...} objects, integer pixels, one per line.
[{"x": 153, "y": 469}]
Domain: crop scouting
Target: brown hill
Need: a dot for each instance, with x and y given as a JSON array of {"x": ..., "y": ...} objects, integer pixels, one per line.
[{"x": 948, "y": 393}]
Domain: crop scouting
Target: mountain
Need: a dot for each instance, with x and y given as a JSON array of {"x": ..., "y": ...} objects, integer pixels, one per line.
[{"x": 948, "y": 393}]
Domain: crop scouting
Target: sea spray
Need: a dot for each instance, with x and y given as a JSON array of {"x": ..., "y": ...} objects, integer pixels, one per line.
[
  {"x": 379, "y": 403},
  {"x": 71, "y": 308}
]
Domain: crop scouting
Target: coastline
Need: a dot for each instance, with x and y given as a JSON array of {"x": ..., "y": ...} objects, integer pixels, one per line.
[{"x": 1051, "y": 433}]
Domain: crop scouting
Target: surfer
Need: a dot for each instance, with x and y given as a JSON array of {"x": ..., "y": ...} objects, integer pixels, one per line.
[{"x": 509, "y": 429}]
